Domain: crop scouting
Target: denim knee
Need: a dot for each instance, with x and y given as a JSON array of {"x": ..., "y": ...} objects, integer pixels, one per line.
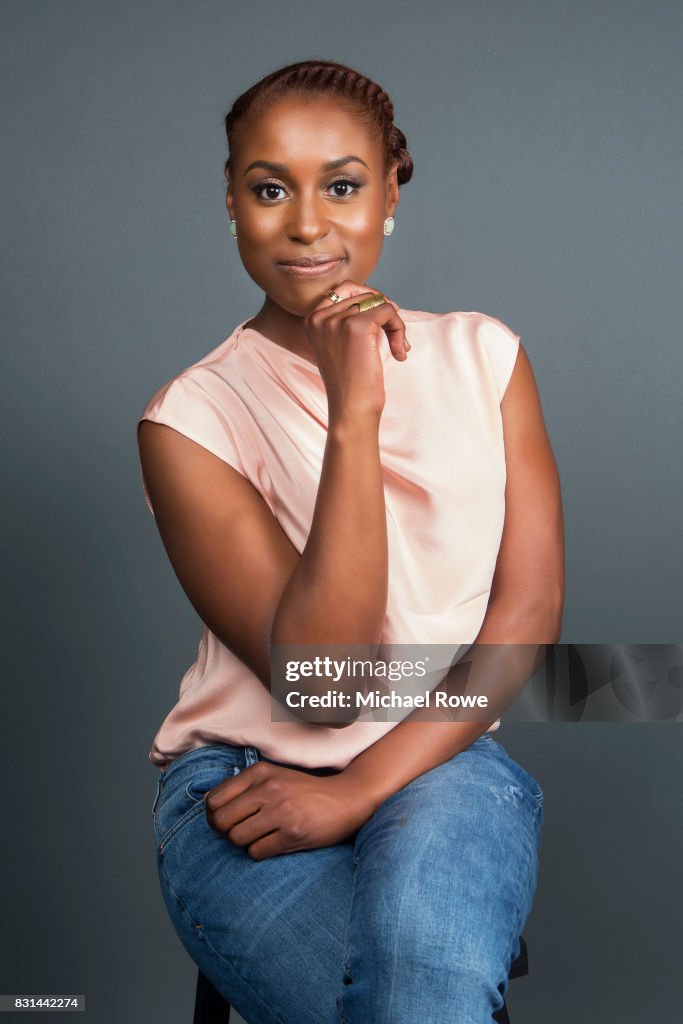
[{"x": 387, "y": 991}]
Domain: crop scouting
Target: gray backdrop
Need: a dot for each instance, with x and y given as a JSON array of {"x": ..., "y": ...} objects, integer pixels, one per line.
[{"x": 547, "y": 188}]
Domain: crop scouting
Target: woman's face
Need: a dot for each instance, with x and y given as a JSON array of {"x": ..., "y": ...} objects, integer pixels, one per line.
[{"x": 301, "y": 208}]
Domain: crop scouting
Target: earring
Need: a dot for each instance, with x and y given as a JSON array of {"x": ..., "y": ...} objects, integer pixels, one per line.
[
  {"x": 233, "y": 228},
  {"x": 389, "y": 224}
]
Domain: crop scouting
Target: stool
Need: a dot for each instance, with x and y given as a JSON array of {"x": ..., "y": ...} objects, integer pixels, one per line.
[{"x": 211, "y": 1008}]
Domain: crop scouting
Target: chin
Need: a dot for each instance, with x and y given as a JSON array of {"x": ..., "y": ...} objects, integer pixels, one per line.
[
  {"x": 303, "y": 306},
  {"x": 300, "y": 309}
]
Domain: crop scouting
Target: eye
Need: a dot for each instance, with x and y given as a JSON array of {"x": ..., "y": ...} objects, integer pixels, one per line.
[
  {"x": 271, "y": 186},
  {"x": 346, "y": 182},
  {"x": 265, "y": 189}
]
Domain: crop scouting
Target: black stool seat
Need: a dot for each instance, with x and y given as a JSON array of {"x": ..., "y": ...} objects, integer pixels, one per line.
[{"x": 211, "y": 1008}]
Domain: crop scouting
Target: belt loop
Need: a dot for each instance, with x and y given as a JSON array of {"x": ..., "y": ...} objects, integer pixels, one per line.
[
  {"x": 158, "y": 793},
  {"x": 250, "y": 756}
]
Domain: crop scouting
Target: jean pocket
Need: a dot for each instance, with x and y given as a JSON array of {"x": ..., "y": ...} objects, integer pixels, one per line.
[
  {"x": 205, "y": 779},
  {"x": 524, "y": 778},
  {"x": 156, "y": 798},
  {"x": 182, "y": 799},
  {"x": 531, "y": 784}
]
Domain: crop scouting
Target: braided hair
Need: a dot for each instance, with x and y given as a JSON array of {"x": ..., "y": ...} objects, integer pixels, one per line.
[{"x": 322, "y": 77}]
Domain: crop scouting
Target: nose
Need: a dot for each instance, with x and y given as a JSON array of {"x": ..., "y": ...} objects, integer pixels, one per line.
[{"x": 307, "y": 220}]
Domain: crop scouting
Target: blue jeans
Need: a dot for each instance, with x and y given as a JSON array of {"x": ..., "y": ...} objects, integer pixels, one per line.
[{"x": 415, "y": 919}]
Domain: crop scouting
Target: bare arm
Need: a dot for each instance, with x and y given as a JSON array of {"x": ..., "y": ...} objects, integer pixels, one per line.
[
  {"x": 238, "y": 568},
  {"x": 271, "y": 810},
  {"x": 525, "y": 607},
  {"x": 337, "y": 592}
]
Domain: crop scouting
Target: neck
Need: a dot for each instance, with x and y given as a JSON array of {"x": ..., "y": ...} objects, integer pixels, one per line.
[{"x": 283, "y": 328}]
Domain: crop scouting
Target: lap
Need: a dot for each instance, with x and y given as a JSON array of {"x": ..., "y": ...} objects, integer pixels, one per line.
[
  {"x": 458, "y": 844},
  {"x": 268, "y": 934},
  {"x": 471, "y": 824},
  {"x": 446, "y": 869}
]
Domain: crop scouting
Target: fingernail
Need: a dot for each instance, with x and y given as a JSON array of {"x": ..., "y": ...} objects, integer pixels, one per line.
[{"x": 408, "y": 345}]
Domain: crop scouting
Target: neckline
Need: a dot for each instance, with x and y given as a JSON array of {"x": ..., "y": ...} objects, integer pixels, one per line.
[
  {"x": 385, "y": 351},
  {"x": 274, "y": 345}
]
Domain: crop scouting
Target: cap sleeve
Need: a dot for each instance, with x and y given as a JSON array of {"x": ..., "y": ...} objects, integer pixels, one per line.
[
  {"x": 501, "y": 345},
  {"x": 184, "y": 404}
]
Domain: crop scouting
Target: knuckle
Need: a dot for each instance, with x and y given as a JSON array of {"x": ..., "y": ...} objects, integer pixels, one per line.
[
  {"x": 215, "y": 819},
  {"x": 295, "y": 831}
]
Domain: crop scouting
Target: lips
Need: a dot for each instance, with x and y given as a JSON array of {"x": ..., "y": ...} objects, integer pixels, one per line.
[
  {"x": 312, "y": 266},
  {"x": 311, "y": 261}
]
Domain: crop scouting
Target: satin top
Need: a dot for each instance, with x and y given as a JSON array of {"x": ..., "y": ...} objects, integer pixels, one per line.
[{"x": 263, "y": 410}]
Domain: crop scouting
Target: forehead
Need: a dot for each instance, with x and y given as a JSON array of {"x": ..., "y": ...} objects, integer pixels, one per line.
[{"x": 307, "y": 131}]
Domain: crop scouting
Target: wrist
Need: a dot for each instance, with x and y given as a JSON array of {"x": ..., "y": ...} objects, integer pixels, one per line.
[
  {"x": 347, "y": 429},
  {"x": 361, "y": 789}
]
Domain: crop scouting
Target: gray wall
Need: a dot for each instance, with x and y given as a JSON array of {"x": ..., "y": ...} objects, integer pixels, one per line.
[{"x": 547, "y": 192}]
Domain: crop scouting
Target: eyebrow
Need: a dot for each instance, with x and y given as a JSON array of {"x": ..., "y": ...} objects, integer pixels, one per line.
[{"x": 282, "y": 168}]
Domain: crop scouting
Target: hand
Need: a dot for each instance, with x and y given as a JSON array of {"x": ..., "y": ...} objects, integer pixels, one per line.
[
  {"x": 346, "y": 345},
  {"x": 273, "y": 810}
]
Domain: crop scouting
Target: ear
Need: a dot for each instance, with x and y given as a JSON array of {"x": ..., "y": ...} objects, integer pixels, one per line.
[
  {"x": 229, "y": 197},
  {"x": 392, "y": 189}
]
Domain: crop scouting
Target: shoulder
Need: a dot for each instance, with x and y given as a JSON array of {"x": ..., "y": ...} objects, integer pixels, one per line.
[
  {"x": 466, "y": 323},
  {"x": 202, "y": 403},
  {"x": 200, "y": 383},
  {"x": 482, "y": 340}
]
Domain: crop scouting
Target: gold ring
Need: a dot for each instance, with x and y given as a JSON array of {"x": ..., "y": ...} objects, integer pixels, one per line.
[
  {"x": 370, "y": 303},
  {"x": 333, "y": 296}
]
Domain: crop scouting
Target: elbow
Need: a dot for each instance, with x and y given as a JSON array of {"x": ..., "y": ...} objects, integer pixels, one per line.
[
  {"x": 556, "y": 614},
  {"x": 544, "y": 611},
  {"x": 558, "y": 628},
  {"x": 341, "y": 723},
  {"x": 304, "y": 690},
  {"x": 533, "y": 622},
  {"x": 547, "y": 620},
  {"x": 325, "y": 718}
]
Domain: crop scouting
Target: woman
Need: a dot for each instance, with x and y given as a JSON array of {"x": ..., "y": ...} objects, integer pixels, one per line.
[{"x": 344, "y": 471}]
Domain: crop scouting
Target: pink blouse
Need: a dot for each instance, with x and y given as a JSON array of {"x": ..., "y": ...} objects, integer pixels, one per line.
[{"x": 263, "y": 410}]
